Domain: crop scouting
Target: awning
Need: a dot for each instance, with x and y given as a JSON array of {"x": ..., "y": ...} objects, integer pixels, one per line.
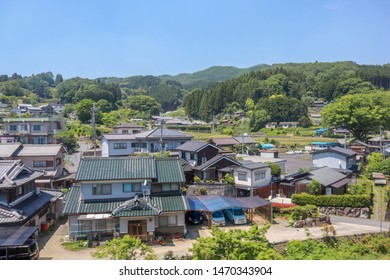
[
  {"x": 93, "y": 217},
  {"x": 14, "y": 236},
  {"x": 341, "y": 183},
  {"x": 211, "y": 203}
]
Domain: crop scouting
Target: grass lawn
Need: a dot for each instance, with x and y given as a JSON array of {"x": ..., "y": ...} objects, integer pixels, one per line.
[{"x": 377, "y": 202}]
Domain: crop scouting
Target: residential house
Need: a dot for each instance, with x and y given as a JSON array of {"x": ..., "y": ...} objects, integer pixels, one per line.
[
  {"x": 316, "y": 118},
  {"x": 245, "y": 140},
  {"x": 146, "y": 142},
  {"x": 335, "y": 157},
  {"x": 332, "y": 182},
  {"x": 279, "y": 161},
  {"x": 341, "y": 131},
  {"x": 57, "y": 108},
  {"x": 139, "y": 196},
  {"x": 382, "y": 144},
  {"x": 224, "y": 143},
  {"x": 203, "y": 160},
  {"x": 271, "y": 125},
  {"x": 249, "y": 176},
  {"x": 23, "y": 107},
  {"x": 49, "y": 158},
  {"x": 21, "y": 202},
  {"x": 288, "y": 124},
  {"x": 128, "y": 128},
  {"x": 33, "y": 130}
]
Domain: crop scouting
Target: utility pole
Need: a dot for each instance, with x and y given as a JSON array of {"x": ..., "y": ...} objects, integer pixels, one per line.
[
  {"x": 94, "y": 129},
  {"x": 161, "y": 136}
]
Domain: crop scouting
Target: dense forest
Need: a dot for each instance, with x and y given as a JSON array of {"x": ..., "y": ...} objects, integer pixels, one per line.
[
  {"x": 289, "y": 85},
  {"x": 281, "y": 92}
]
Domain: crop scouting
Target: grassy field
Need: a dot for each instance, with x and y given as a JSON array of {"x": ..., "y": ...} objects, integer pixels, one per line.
[{"x": 288, "y": 140}]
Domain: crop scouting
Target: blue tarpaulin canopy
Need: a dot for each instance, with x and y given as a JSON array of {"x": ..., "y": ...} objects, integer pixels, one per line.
[{"x": 211, "y": 203}]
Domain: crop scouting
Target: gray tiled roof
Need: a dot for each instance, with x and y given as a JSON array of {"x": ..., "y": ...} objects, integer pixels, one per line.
[
  {"x": 119, "y": 136},
  {"x": 27, "y": 208},
  {"x": 213, "y": 161},
  {"x": 14, "y": 173},
  {"x": 326, "y": 176},
  {"x": 245, "y": 140},
  {"x": 339, "y": 150},
  {"x": 9, "y": 149},
  {"x": 167, "y": 133},
  {"x": 225, "y": 141},
  {"x": 40, "y": 150},
  {"x": 193, "y": 146},
  {"x": 248, "y": 164}
]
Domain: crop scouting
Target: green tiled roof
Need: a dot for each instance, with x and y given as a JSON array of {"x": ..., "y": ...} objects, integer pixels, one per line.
[
  {"x": 95, "y": 169},
  {"x": 168, "y": 202},
  {"x": 169, "y": 170}
]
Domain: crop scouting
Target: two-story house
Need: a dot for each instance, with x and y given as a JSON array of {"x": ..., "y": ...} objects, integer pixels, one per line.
[
  {"x": 203, "y": 160},
  {"x": 33, "y": 130},
  {"x": 146, "y": 142},
  {"x": 336, "y": 157},
  {"x": 128, "y": 128},
  {"x": 21, "y": 203},
  {"x": 249, "y": 176},
  {"x": 139, "y": 196},
  {"x": 49, "y": 158}
]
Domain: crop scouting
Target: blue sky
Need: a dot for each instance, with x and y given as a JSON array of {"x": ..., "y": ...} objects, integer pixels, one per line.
[{"x": 140, "y": 37}]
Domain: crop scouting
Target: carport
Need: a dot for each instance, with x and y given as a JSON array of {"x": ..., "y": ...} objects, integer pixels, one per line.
[
  {"x": 211, "y": 203},
  {"x": 15, "y": 236}
]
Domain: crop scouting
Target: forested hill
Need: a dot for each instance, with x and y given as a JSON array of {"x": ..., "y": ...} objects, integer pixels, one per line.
[
  {"x": 211, "y": 75},
  {"x": 283, "y": 91}
]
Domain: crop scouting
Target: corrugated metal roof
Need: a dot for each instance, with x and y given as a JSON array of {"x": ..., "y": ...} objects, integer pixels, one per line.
[
  {"x": 96, "y": 169},
  {"x": 245, "y": 140},
  {"x": 169, "y": 170},
  {"x": 213, "y": 203},
  {"x": 14, "y": 236},
  {"x": 167, "y": 133}
]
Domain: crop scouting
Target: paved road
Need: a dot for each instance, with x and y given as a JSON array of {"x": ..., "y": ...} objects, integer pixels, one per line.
[
  {"x": 294, "y": 162},
  {"x": 362, "y": 222}
]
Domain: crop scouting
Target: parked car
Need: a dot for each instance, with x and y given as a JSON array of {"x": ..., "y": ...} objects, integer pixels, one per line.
[
  {"x": 236, "y": 215},
  {"x": 290, "y": 152},
  {"x": 194, "y": 217},
  {"x": 298, "y": 152},
  {"x": 217, "y": 218}
]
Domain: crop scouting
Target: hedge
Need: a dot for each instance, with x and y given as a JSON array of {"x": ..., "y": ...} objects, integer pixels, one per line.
[{"x": 347, "y": 200}]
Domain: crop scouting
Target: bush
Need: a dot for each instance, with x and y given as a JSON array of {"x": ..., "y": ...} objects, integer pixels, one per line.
[
  {"x": 277, "y": 207},
  {"x": 346, "y": 200},
  {"x": 202, "y": 190},
  {"x": 197, "y": 179},
  {"x": 301, "y": 212}
]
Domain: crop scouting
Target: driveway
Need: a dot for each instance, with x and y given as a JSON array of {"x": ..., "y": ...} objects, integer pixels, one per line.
[
  {"x": 295, "y": 162},
  {"x": 51, "y": 248}
]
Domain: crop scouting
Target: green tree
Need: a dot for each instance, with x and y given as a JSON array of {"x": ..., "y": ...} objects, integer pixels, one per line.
[
  {"x": 304, "y": 121},
  {"x": 68, "y": 139},
  {"x": 144, "y": 104},
  {"x": 258, "y": 119},
  {"x": 275, "y": 169},
  {"x": 59, "y": 79},
  {"x": 361, "y": 114},
  {"x": 315, "y": 186},
  {"x": 250, "y": 104},
  {"x": 104, "y": 106},
  {"x": 236, "y": 244},
  {"x": 83, "y": 110},
  {"x": 125, "y": 248}
]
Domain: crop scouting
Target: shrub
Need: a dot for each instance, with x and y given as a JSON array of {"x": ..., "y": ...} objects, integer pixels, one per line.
[
  {"x": 346, "y": 200},
  {"x": 302, "y": 212},
  {"x": 197, "y": 179},
  {"x": 277, "y": 207},
  {"x": 202, "y": 190}
]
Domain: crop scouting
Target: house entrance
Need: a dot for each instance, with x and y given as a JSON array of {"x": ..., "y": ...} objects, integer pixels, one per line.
[{"x": 138, "y": 229}]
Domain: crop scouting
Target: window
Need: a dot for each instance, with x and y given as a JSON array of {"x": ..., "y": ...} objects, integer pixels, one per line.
[
  {"x": 39, "y": 164},
  {"x": 132, "y": 187},
  {"x": 166, "y": 187},
  {"x": 167, "y": 221},
  {"x": 242, "y": 176},
  {"x": 37, "y": 127},
  {"x": 13, "y": 127},
  {"x": 259, "y": 175},
  {"x": 40, "y": 140},
  {"x": 101, "y": 224},
  {"x": 20, "y": 190},
  {"x": 135, "y": 145},
  {"x": 120, "y": 146},
  {"x": 125, "y": 131},
  {"x": 103, "y": 189},
  {"x": 23, "y": 127}
]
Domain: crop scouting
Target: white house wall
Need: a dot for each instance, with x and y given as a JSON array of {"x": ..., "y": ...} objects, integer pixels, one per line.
[
  {"x": 251, "y": 182},
  {"x": 116, "y": 190},
  {"x": 330, "y": 159}
]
